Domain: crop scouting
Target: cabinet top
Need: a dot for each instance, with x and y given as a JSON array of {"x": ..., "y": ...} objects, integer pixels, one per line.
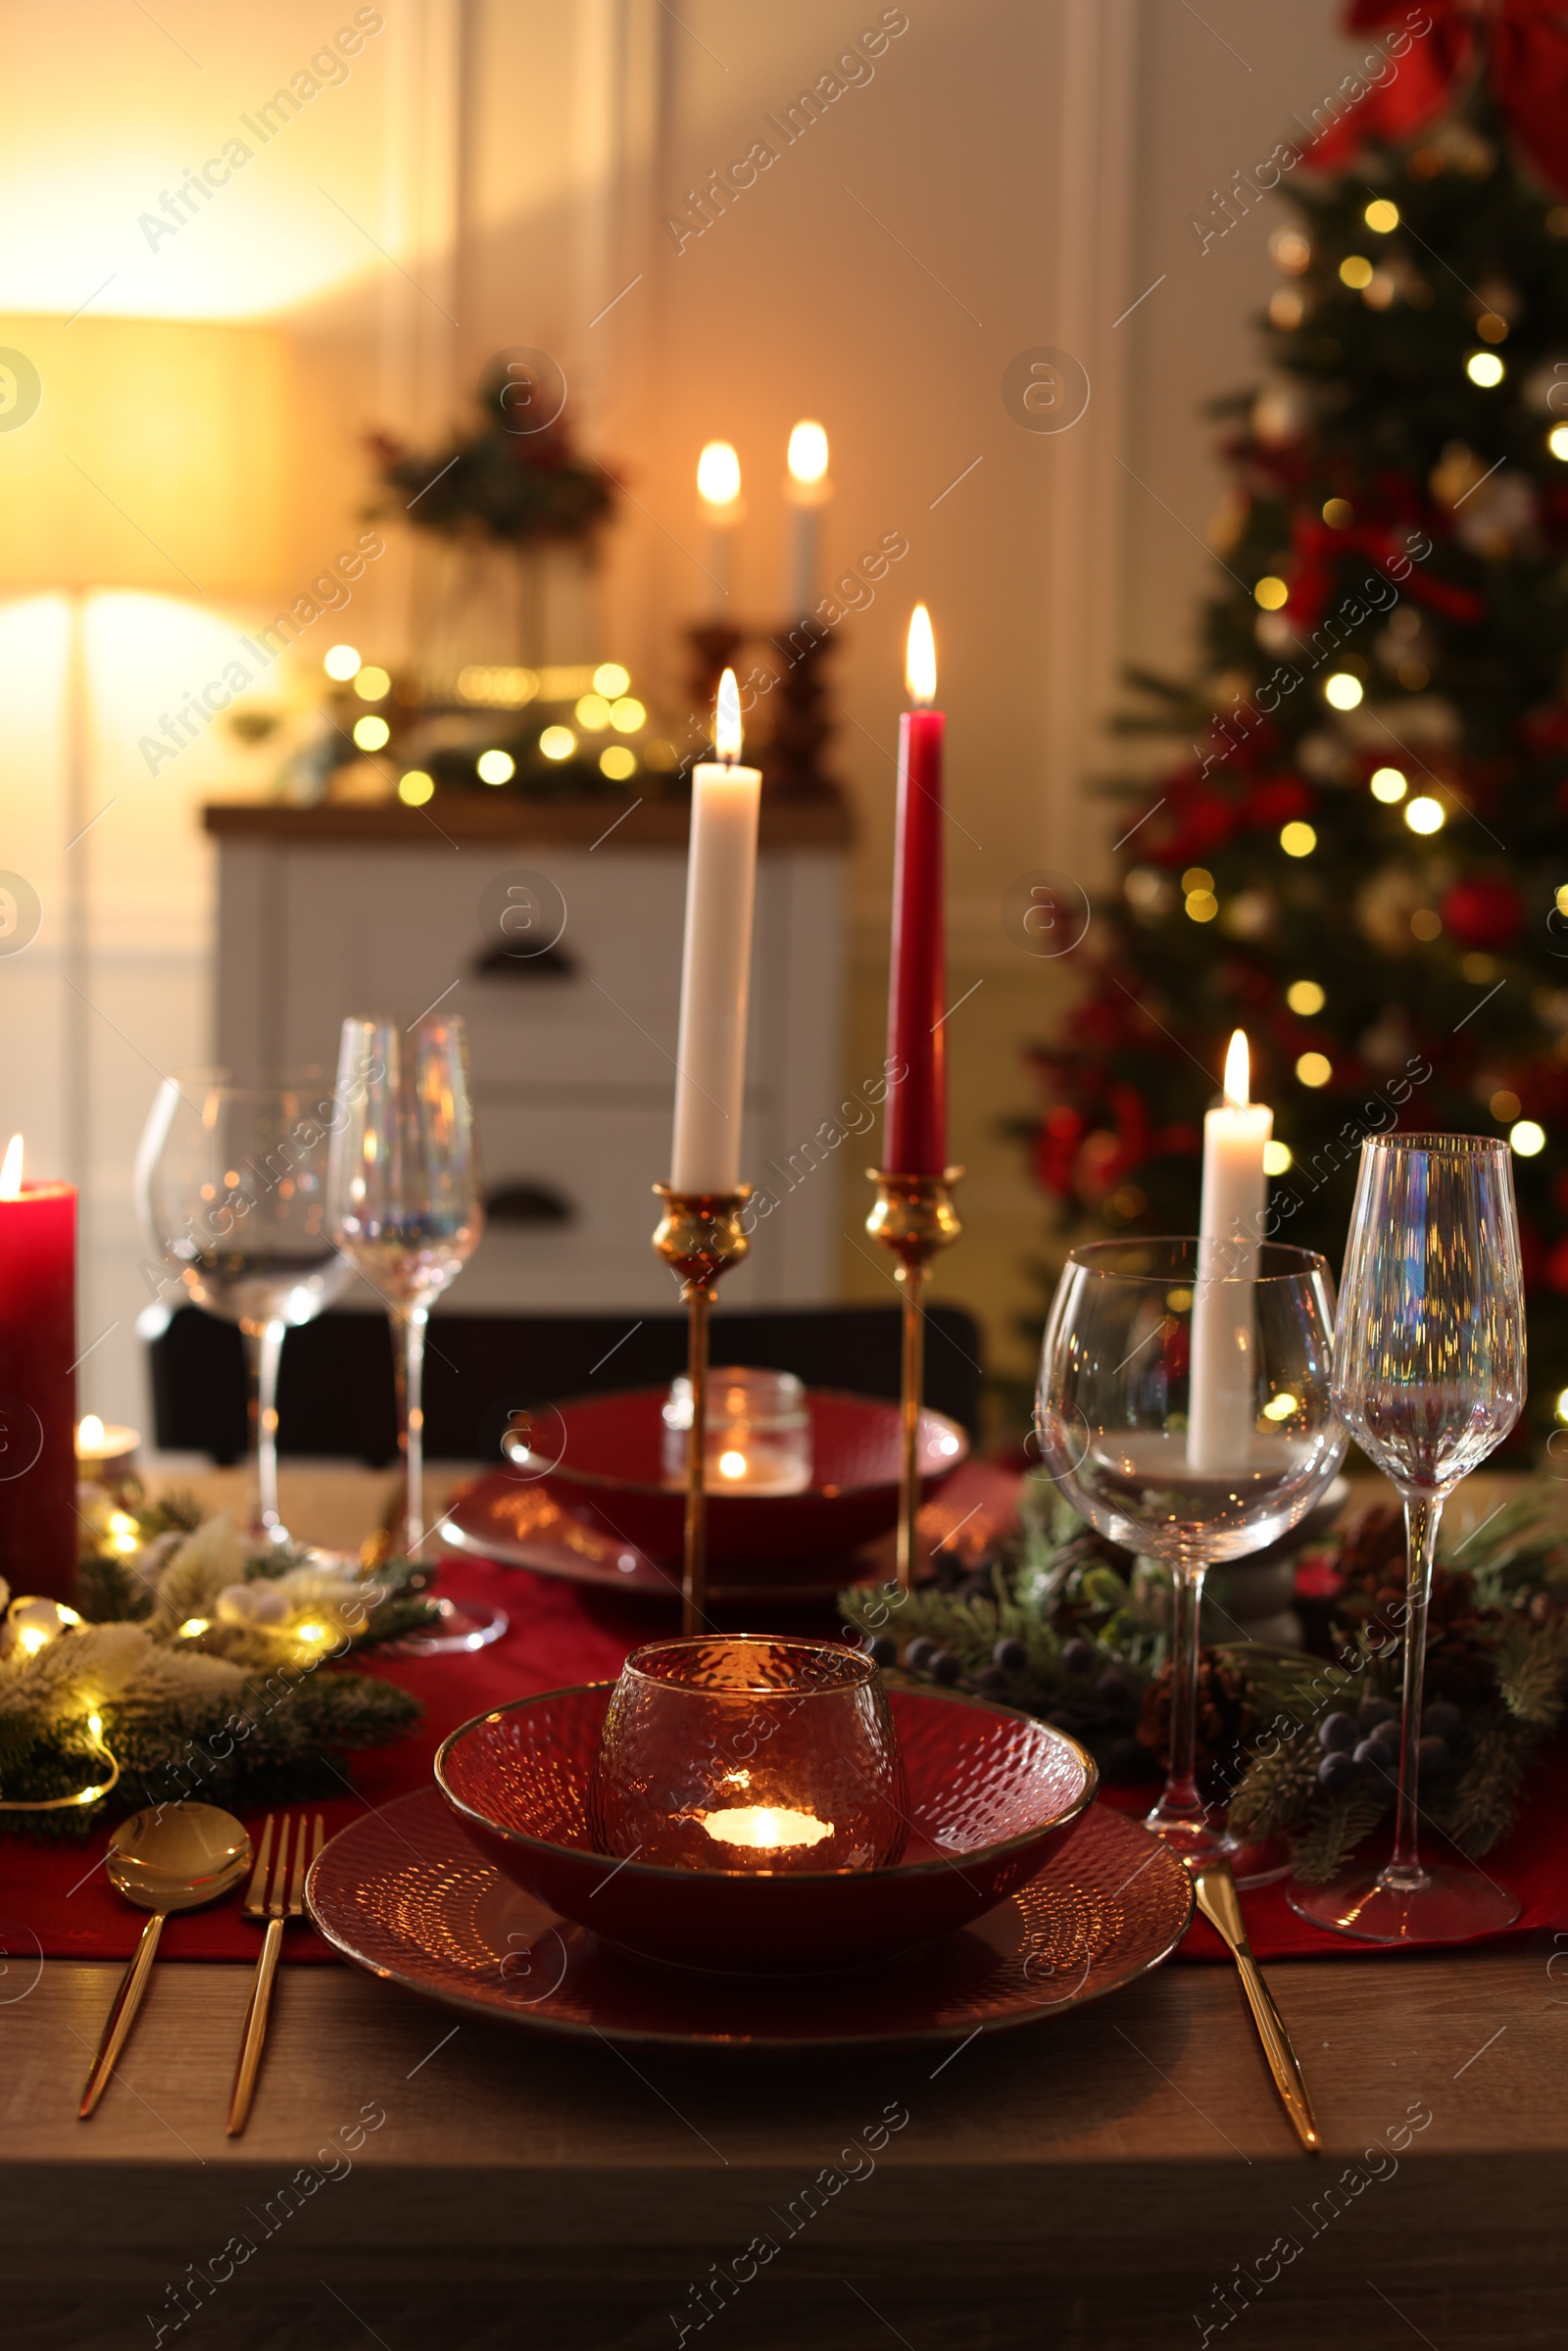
[{"x": 789, "y": 820}]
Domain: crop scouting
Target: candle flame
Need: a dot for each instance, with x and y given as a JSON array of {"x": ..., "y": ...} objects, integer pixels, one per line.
[
  {"x": 807, "y": 451},
  {"x": 11, "y": 1170},
  {"x": 89, "y": 1433},
  {"x": 727, "y": 720},
  {"x": 765, "y": 1826},
  {"x": 718, "y": 475},
  {"x": 1238, "y": 1074},
  {"x": 920, "y": 657}
]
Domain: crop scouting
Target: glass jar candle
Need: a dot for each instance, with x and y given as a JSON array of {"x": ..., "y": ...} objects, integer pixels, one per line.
[
  {"x": 759, "y": 1432},
  {"x": 735, "y": 1752}
]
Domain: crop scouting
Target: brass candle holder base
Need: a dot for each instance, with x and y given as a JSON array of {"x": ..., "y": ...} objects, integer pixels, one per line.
[
  {"x": 913, "y": 1217},
  {"x": 700, "y": 1238}
]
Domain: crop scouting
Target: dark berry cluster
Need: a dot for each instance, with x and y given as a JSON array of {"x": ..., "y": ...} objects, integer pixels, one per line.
[{"x": 1364, "y": 1748}]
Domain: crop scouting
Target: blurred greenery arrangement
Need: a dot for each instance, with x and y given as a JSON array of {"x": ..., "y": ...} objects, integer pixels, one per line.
[
  {"x": 1063, "y": 1623},
  {"x": 508, "y": 479}
]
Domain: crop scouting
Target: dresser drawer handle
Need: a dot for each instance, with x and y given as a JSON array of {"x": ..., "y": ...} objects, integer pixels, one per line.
[
  {"x": 549, "y": 963},
  {"x": 521, "y": 1201}
]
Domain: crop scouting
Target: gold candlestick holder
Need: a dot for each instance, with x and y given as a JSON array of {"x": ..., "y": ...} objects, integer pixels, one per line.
[
  {"x": 913, "y": 1217},
  {"x": 700, "y": 1238}
]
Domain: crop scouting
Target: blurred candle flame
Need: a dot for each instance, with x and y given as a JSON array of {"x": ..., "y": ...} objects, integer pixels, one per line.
[
  {"x": 718, "y": 475},
  {"x": 807, "y": 459},
  {"x": 11, "y": 1170},
  {"x": 90, "y": 1434},
  {"x": 920, "y": 657}
]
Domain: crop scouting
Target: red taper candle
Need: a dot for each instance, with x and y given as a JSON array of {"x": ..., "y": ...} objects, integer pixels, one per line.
[
  {"x": 917, "y": 986},
  {"x": 38, "y": 1383}
]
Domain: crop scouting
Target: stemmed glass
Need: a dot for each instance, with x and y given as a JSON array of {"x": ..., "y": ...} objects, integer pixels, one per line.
[
  {"x": 1430, "y": 1376},
  {"x": 405, "y": 1208},
  {"x": 1184, "y": 1409},
  {"x": 231, "y": 1185}
]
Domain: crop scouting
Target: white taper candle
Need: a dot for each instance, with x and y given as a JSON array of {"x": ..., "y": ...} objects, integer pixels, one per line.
[
  {"x": 1222, "y": 1405},
  {"x": 808, "y": 490},
  {"x": 717, "y": 961}
]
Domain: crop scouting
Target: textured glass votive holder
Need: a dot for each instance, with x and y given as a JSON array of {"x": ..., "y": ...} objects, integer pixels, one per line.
[
  {"x": 759, "y": 1432},
  {"x": 750, "y": 1754}
]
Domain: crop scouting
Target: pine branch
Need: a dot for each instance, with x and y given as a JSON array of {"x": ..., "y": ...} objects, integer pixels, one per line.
[
  {"x": 1335, "y": 1828},
  {"x": 1532, "y": 1667},
  {"x": 1484, "y": 1807},
  {"x": 1276, "y": 1790}
]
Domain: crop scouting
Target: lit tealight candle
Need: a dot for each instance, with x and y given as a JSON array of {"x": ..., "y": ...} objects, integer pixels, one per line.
[
  {"x": 765, "y": 1826},
  {"x": 1222, "y": 1400},
  {"x": 105, "y": 1453},
  {"x": 718, "y": 490}
]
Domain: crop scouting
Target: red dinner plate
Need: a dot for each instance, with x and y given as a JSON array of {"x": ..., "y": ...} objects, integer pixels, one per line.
[{"x": 405, "y": 1894}]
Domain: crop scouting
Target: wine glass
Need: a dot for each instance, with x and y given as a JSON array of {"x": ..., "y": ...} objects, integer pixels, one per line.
[
  {"x": 1430, "y": 1378},
  {"x": 232, "y": 1184},
  {"x": 405, "y": 1208},
  {"x": 1184, "y": 1409}
]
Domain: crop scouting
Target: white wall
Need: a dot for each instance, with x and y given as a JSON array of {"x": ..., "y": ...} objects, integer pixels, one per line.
[{"x": 1015, "y": 173}]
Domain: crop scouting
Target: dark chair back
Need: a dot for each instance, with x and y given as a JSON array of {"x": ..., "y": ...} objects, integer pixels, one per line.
[{"x": 335, "y": 1394}]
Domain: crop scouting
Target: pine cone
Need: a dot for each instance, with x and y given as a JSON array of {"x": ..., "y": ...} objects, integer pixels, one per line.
[{"x": 1224, "y": 1709}]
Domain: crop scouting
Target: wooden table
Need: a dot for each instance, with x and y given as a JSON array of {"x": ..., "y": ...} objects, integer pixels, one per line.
[{"x": 1088, "y": 2182}]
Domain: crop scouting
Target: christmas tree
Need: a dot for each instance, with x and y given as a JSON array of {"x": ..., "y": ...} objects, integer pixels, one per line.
[{"x": 1360, "y": 858}]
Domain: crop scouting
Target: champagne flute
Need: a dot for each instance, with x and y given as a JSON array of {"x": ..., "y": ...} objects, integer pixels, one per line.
[
  {"x": 1430, "y": 1378},
  {"x": 1126, "y": 1368},
  {"x": 232, "y": 1184},
  {"x": 404, "y": 1207}
]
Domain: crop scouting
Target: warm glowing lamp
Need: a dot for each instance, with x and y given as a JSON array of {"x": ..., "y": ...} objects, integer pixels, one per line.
[
  {"x": 147, "y": 489},
  {"x": 156, "y": 459}
]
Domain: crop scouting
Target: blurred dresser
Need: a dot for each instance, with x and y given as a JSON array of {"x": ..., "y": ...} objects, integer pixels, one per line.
[{"x": 390, "y": 910}]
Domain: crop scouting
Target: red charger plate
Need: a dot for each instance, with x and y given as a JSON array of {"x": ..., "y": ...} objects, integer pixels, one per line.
[
  {"x": 404, "y": 1893},
  {"x": 990, "y": 1794}
]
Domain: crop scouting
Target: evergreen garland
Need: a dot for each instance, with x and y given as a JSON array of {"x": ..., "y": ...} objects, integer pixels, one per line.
[
  {"x": 200, "y": 1668},
  {"x": 1063, "y": 1623}
]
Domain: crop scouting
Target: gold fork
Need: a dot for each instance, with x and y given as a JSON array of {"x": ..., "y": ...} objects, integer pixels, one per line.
[{"x": 283, "y": 1901}]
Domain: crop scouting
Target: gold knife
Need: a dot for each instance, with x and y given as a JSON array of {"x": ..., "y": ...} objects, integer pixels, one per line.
[{"x": 1221, "y": 1905}]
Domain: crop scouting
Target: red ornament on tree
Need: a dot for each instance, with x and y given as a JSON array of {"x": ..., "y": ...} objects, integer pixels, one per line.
[
  {"x": 1521, "y": 45},
  {"x": 1482, "y": 913}
]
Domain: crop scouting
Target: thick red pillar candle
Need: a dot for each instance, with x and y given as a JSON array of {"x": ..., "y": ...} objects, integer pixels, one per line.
[
  {"x": 38, "y": 1521},
  {"x": 918, "y": 989}
]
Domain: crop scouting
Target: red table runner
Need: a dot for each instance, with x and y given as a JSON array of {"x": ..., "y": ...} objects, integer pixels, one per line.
[{"x": 56, "y": 1901}]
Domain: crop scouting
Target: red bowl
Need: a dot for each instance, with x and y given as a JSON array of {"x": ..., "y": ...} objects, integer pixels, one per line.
[
  {"x": 605, "y": 1465},
  {"x": 991, "y": 1793}
]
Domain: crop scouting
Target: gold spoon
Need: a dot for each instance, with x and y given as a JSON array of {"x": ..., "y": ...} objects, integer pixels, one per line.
[{"x": 170, "y": 1857}]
